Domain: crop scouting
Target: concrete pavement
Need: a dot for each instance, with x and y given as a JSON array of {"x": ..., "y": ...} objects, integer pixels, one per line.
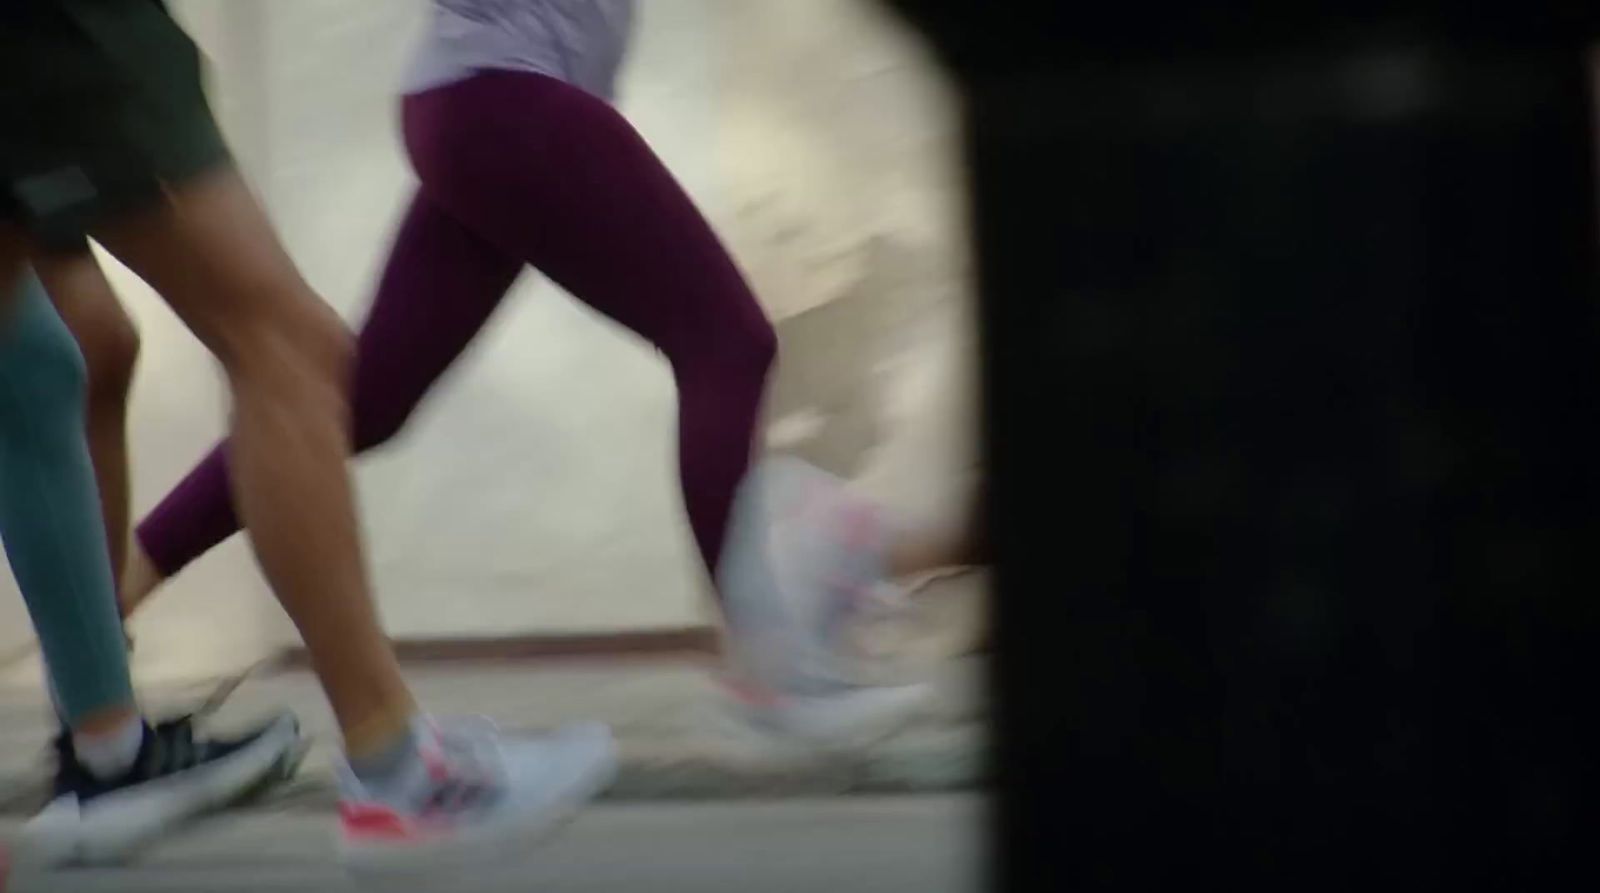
[
  {"x": 673, "y": 745},
  {"x": 931, "y": 844}
]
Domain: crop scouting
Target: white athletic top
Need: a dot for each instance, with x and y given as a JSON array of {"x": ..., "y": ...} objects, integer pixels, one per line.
[{"x": 579, "y": 41}]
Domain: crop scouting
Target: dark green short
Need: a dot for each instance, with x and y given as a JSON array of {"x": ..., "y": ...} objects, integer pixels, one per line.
[{"x": 102, "y": 106}]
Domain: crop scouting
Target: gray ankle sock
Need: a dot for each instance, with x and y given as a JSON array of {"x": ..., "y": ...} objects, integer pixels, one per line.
[{"x": 384, "y": 769}]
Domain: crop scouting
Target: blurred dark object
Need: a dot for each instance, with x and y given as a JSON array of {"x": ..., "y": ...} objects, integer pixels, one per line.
[
  {"x": 1292, "y": 372},
  {"x": 981, "y": 36}
]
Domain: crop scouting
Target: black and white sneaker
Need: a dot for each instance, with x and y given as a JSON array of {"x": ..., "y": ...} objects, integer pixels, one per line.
[{"x": 175, "y": 777}]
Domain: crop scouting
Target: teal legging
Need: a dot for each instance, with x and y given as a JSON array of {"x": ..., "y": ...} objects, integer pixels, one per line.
[{"x": 50, "y": 507}]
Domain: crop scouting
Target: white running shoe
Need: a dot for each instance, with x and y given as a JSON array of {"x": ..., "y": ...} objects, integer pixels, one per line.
[
  {"x": 802, "y": 563},
  {"x": 175, "y": 777},
  {"x": 480, "y": 794}
]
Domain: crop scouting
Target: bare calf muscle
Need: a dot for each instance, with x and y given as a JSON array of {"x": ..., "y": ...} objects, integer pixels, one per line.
[{"x": 208, "y": 250}]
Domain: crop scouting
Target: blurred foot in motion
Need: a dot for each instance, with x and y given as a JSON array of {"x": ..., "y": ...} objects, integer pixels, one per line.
[
  {"x": 457, "y": 793},
  {"x": 101, "y": 813},
  {"x": 804, "y": 559}
]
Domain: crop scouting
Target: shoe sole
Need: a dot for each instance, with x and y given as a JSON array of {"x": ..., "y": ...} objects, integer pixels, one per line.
[
  {"x": 121, "y": 823},
  {"x": 872, "y": 727},
  {"x": 483, "y": 846}
]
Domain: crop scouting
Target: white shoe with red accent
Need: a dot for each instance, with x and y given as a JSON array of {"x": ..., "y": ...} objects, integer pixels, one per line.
[
  {"x": 801, "y": 565},
  {"x": 478, "y": 795}
]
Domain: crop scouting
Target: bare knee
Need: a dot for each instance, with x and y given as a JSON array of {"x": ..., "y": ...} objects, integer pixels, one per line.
[
  {"x": 292, "y": 337},
  {"x": 110, "y": 346}
]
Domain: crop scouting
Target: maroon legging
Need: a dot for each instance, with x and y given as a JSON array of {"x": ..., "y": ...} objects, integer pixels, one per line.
[{"x": 518, "y": 169}]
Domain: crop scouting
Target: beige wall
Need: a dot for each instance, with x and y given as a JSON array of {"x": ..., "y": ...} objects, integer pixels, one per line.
[
  {"x": 838, "y": 148},
  {"x": 535, "y": 491}
]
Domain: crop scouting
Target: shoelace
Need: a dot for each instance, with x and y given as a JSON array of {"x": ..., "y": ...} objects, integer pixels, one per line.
[
  {"x": 472, "y": 771},
  {"x": 175, "y": 747},
  {"x": 471, "y": 744},
  {"x": 219, "y": 694},
  {"x": 463, "y": 749}
]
